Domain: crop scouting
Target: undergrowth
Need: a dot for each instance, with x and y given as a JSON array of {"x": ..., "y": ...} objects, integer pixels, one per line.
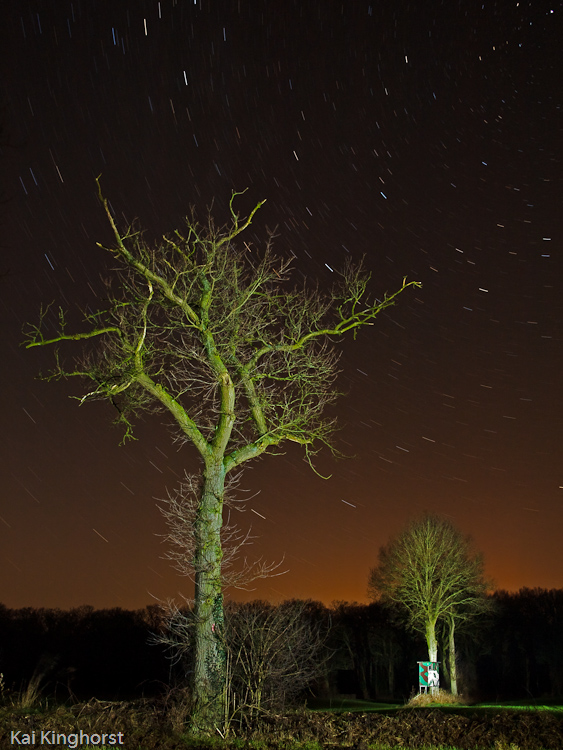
[{"x": 439, "y": 697}]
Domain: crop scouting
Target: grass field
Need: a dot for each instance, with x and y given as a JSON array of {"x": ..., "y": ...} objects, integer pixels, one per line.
[
  {"x": 343, "y": 705},
  {"x": 349, "y": 704}
]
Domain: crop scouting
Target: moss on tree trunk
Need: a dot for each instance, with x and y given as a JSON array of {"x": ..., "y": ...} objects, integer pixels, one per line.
[{"x": 209, "y": 675}]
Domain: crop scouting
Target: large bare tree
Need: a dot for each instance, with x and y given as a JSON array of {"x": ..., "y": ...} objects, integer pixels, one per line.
[
  {"x": 210, "y": 334},
  {"x": 431, "y": 574}
]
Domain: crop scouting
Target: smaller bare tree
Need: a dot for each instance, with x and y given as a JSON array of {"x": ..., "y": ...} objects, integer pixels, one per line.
[
  {"x": 274, "y": 652},
  {"x": 428, "y": 574}
]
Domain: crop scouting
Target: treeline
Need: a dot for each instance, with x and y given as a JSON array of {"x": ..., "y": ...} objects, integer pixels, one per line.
[
  {"x": 83, "y": 652},
  {"x": 517, "y": 652}
]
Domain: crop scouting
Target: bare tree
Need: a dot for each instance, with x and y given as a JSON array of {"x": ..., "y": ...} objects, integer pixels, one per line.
[
  {"x": 430, "y": 573},
  {"x": 211, "y": 335},
  {"x": 274, "y": 652}
]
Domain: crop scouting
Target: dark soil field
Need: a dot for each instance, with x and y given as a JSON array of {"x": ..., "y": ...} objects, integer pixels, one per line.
[
  {"x": 152, "y": 725},
  {"x": 425, "y": 727}
]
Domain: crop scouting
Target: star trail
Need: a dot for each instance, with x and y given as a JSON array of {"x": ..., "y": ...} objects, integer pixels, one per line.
[{"x": 425, "y": 137}]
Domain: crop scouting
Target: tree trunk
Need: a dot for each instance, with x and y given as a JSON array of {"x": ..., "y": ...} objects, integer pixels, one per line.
[
  {"x": 446, "y": 660},
  {"x": 209, "y": 675},
  {"x": 432, "y": 645},
  {"x": 391, "y": 676},
  {"x": 431, "y": 641},
  {"x": 453, "y": 668}
]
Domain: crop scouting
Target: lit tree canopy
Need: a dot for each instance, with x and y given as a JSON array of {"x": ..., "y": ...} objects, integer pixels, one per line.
[
  {"x": 211, "y": 333},
  {"x": 430, "y": 573}
]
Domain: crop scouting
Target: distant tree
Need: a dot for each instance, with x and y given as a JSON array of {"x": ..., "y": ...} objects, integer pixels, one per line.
[
  {"x": 430, "y": 574},
  {"x": 211, "y": 335}
]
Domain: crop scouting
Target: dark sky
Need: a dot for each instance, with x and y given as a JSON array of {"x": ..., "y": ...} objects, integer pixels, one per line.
[{"x": 427, "y": 137}]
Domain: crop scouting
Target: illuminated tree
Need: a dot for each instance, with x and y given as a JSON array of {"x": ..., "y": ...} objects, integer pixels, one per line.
[
  {"x": 211, "y": 335},
  {"x": 430, "y": 574}
]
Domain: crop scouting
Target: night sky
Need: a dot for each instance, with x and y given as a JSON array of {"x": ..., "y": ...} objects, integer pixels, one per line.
[{"x": 427, "y": 136}]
